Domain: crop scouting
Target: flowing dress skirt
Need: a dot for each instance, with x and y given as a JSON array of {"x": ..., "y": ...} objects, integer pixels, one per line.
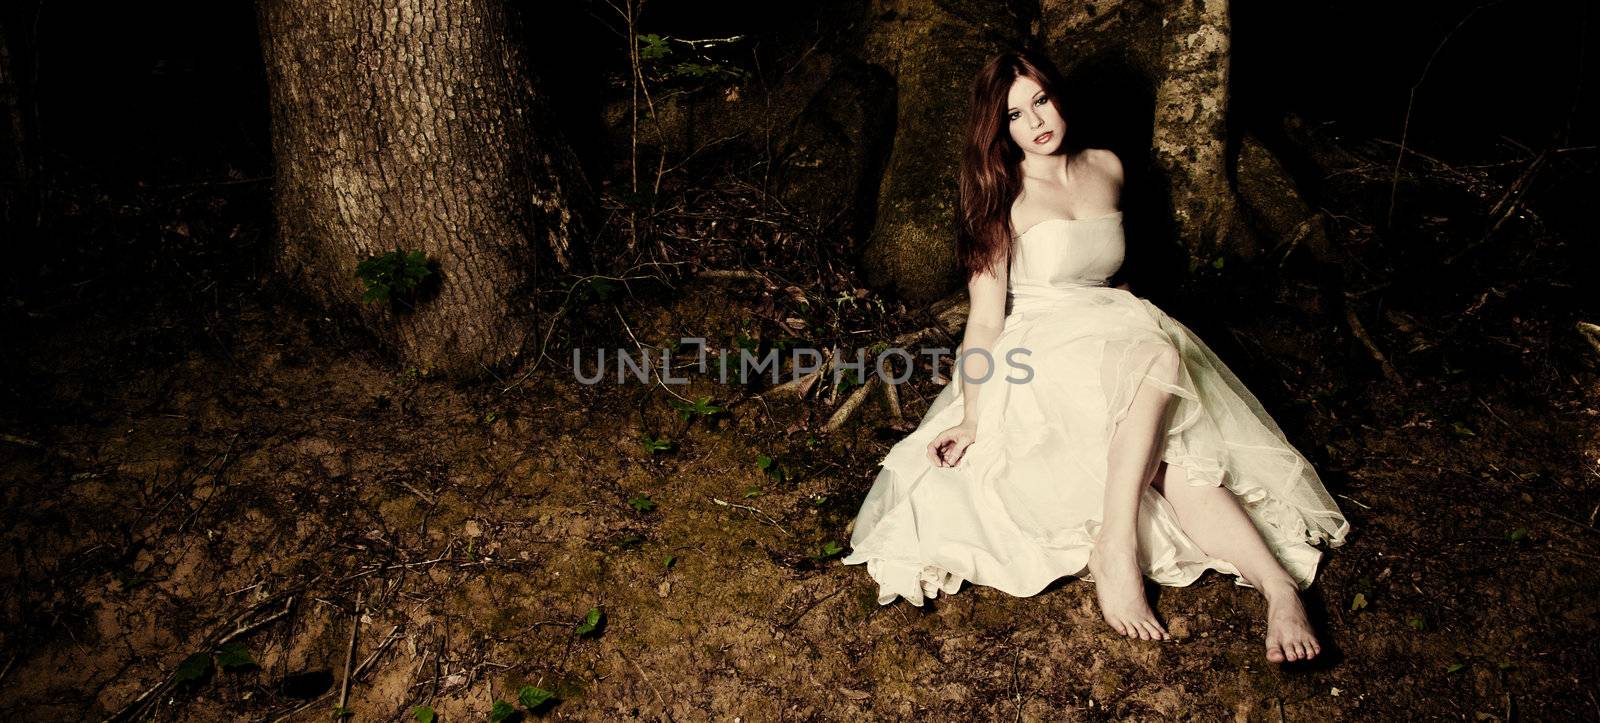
[{"x": 1025, "y": 504}]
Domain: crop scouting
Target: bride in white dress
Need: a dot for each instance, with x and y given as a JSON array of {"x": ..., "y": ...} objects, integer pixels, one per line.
[{"x": 1129, "y": 450}]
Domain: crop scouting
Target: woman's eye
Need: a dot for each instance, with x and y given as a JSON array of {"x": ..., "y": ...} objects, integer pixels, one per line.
[
  {"x": 1042, "y": 99},
  {"x": 1013, "y": 116}
]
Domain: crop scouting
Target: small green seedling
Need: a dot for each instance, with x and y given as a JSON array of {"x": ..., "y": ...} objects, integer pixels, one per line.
[
  {"x": 653, "y": 444},
  {"x": 642, "y": 503},
  {"x": 192, "y": 669},
  {"x": 773, "y": 468},
  {"x": 591, "y": 622},
  {"x": 532, "y": 697},
  {"x": 235, "y": 656},
  {"x": 702, "y": 407}
]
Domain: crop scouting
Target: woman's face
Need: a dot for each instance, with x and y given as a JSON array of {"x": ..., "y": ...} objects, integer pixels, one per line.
[{"x": 1035, "y": 122}]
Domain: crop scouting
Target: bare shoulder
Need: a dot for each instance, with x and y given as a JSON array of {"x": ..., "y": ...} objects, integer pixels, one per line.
[{"x": 1106, "y": 161}]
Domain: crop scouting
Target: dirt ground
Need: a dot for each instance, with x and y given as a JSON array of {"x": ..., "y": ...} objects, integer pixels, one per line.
[{"x": 192, "y": 464}]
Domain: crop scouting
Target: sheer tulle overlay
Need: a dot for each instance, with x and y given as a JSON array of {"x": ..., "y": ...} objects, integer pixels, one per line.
[{"x": 1025, "y": 504}]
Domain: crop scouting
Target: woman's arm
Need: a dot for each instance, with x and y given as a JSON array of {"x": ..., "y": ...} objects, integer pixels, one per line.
[{"x": 986, "y": 316}]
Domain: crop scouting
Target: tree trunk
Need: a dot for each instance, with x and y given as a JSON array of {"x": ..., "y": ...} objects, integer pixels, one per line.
[
  {"x": 1191, "y": 130},
  {"x": 18, "y": 151},
  {"x": 1149, "y": 80},
  {"x": 932, "y": 48},
  {"x": 1223, "y": 191},
  {"x": 417, "y": 126}
]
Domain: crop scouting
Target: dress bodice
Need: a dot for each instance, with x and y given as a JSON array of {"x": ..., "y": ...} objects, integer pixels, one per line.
[{"x": 1056, "y": 256}]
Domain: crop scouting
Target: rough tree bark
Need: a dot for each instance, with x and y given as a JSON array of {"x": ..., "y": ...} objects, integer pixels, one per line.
[
  {"x": 932, "y": 48},
  {"x": 18, "y": 186},
  {"x": 1225, "y": 194},
  {"x": 417, "y": 125}
]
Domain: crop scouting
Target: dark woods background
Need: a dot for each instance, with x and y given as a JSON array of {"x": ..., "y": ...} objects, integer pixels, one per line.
[
  {"x": 144, "y": 99},
  {"x": 142, "y": 341}
]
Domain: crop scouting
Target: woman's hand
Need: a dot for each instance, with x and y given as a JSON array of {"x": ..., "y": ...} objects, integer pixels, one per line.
[{"x": 949, "y": 446}]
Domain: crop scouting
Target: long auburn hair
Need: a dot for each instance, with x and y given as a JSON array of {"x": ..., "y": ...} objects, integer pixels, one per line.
[{"x": 990, "y": 174}]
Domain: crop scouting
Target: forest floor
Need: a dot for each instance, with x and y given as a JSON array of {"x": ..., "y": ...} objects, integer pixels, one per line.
[{"x": 208, "y": 489}]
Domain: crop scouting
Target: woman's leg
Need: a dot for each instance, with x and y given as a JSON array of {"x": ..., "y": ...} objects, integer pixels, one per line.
[
  {"x": 1133, "y": 459},
  {"x": 1213, "y": 518}
]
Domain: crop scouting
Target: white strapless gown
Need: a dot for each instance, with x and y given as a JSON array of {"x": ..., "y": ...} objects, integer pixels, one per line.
[{"x": 1024, "y": 505}]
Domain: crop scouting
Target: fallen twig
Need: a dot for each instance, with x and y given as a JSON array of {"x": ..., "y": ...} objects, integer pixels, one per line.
[
  {"x": 136, "y": 710},
  {"x": 770, "y": 521},
  {"x": 350, "y": 655},
  {"x": 1372, "y": 346},
  {"x": 851, "y": 403}
]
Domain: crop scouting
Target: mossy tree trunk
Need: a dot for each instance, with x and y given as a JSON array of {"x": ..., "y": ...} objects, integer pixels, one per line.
[
  {"x": 417, "y": 126},
  {"x": 1168, "y": 118},
  {"x": 932, "y": 49}
]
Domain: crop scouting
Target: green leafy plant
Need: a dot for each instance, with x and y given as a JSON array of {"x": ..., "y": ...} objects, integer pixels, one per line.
[
  {"x": 702, "y": 407},
  {"x": 235, "y": 656},
  {"x": 340, "y": 711},
  {"x": 423, "y": 714},
  {"x": 532, "y": 697},
  {"x": 830, "y": 549},
  {"x": 501, "y": 711},
  {"x": 778, "y": 471},
  {"x": 393, "y": 275},
  {"x": 854, "y": 379},
  {"x": 1518, "y": 535},
  {"x": 591, "y": 622},
  {"x": 653, "y": 444},
  {"x": 661, "y": 61},
  {"x": 192, "y": 669},
  {"x": 642, "y": 503},
  {"x": 1359, "y": 602},
  {"x": 667, "y": 562}
]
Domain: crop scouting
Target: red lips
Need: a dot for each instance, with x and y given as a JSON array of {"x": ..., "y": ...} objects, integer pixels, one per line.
[{"x": 1043, "y": 137}]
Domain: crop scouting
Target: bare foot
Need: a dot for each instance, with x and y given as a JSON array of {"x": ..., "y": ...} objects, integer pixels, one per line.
[
  {"x": 1119, "y": 585},
  {"x": 1289, "y": 636}
]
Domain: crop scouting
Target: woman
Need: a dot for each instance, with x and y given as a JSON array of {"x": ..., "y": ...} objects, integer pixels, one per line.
[{"x": 1127, "y": 449}]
